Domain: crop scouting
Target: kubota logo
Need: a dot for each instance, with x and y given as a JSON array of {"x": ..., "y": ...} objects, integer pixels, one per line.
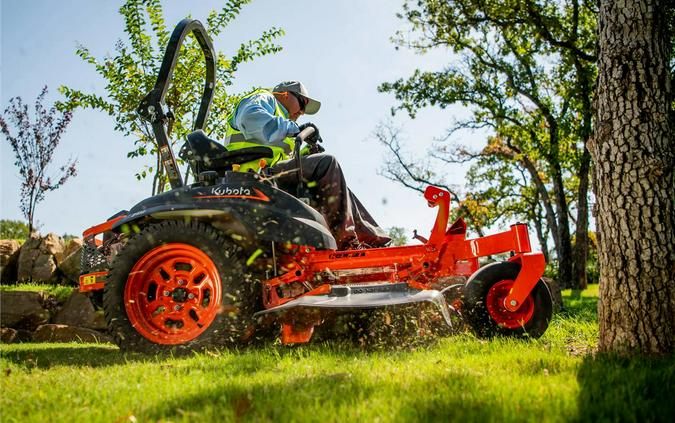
[
  {"x": 230, "y": 191},
  {"x": 240, "y": 192}
]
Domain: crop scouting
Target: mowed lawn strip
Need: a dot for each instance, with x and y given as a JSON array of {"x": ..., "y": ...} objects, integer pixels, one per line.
[{"x": 456, "y": 378}]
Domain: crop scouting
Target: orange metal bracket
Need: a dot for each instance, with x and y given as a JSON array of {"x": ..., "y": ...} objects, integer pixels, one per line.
[
  {"x": 531, "y": 270},
  {"x": 441, "y": 198},
  {"x": 292, "y": 334},
  {"x": 516, "y": 239},
  {"x": 103, "y": 227}
]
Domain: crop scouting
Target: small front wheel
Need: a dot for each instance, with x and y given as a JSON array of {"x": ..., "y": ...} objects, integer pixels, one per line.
[{"x": 484, "y": 308}]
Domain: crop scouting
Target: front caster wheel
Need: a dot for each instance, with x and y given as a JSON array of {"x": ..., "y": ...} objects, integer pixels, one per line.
[
  {"x": 484, "y": 307},
  {"x": 178, "y": 286}
]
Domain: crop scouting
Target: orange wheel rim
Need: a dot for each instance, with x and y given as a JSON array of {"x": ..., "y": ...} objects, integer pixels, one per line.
[
  {"x": 495, "y": 305},
  {"x": 173, "y": 294}
]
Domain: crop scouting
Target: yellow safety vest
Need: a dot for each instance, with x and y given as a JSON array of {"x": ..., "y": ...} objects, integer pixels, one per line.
[{"x": 235, "y": 139}]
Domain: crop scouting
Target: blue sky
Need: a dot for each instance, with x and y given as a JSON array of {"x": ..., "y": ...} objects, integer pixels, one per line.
[{"x": 341, "y": 50}]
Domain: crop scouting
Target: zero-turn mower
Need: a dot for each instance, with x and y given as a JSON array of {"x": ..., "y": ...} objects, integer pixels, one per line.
[{"x": 208, "y": 263}]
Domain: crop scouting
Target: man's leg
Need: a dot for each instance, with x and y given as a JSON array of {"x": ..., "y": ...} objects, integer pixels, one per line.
[{"x": 349, "y": 221}]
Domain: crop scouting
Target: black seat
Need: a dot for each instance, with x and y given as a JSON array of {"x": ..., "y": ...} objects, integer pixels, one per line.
[{"x": 205, "y": 154}]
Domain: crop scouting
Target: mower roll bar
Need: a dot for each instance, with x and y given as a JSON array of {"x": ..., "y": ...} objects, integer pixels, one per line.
[{"x": 151, "y": 108}]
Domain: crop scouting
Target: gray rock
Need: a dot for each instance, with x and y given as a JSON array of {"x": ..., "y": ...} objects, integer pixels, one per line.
[
  {"x": 9, "y": 258},
  {"x": 65, "y": 333},
  {"x": 22, "y": 309},
  {"x": 79, "y": 311},
  {"x": 53, "y": 244},
  {"x": 72, "y": 246},
  {"x": 8, "y": 335},
  {"x": 38, "y": 257},
  {"x": 43, "y": 268},
  {"x": 70, "y": 267},
  {"x": 8, "y": 247},
  {"x": 23, "y": 335}
]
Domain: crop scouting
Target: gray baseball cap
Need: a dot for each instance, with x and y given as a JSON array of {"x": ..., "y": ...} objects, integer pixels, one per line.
[{"x": 298, "y": 87}]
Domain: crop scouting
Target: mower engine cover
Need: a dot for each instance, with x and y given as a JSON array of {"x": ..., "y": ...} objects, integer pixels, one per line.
[{"x": 239, "y": 204}]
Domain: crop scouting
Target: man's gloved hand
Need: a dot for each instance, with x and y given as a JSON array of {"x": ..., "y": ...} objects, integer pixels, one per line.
[
  {"x": 315, "y": 137},
  {"x": 312, "y": 149}
]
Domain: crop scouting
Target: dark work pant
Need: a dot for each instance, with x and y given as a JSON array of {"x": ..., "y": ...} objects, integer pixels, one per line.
[{"x": 348, "y": 220}]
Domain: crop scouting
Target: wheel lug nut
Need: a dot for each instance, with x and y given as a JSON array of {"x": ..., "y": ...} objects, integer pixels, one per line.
[
  {"x": 167, "y": 293},
  {"x": 513, "y": 303},
  {"x": 177, "y": 308},
  {"x": 181, "y": 282},
  {"x": 191, "y": 296}
]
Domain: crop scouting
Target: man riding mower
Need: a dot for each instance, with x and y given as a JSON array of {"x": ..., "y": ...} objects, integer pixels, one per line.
[
  {"x": 206, "y": 264},
  {"x": 267, "y": 118}
]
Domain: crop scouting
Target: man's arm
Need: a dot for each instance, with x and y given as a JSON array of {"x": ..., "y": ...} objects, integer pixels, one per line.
[{"x": 256, "y": 121}]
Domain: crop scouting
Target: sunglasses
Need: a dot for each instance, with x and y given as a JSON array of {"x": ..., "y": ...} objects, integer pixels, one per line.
[{"x": 301, "y": 101}]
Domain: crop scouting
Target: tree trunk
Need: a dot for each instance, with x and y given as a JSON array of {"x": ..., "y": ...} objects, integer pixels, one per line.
[
  {"x": 545, "y": 202},
  {"x": 31, "y": 211},
  {"x": 535, "y": 217},
  {"x": 584, "y": 77},
  {"x": 581, "y": 233},
  {"x": 634, "y": 149},
  {"x": 565, "y": 259},
  {"x": 542, "y": 239}
]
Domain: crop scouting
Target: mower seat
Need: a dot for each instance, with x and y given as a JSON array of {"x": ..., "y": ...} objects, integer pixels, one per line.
[{"x": 206, "y": 154}]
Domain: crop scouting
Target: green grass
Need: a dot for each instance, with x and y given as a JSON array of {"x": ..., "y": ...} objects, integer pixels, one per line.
[
  {"x": 59, "y": 291},
  {"x": 555, "y": 378}
]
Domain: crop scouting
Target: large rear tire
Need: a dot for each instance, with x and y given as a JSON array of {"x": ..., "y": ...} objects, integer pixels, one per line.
[
  {"x": 483, "y": 305},
  {"x": 178, "y": 286}
]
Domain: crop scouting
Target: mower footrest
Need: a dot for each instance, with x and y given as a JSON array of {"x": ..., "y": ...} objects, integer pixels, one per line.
[{"x": 359, "y": 296}]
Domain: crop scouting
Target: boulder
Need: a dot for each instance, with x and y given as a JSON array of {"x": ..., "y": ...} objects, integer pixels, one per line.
[
  {"x": 38, "y": 257},
  {"x": 44, "y": 268},
  {"x": 65, "y": 333},
  {"x": 9, "y": 257},
  {"x": 73, "y": 245},
  {"x": 53, "y": 244},
  {"x": 23, "y": 335},
  {"x": 22, "y": 309},
  {"x": 69, "y": 268},
  {"x": 554, "y": 287},
  {"x": 8, "y": 335},
  {"x": 79, "y": 311}
]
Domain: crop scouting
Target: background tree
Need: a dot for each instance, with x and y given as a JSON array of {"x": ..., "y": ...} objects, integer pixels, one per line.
[
  {"x": 131, "y": 73},
  {"x": 525, "y": 70},
  {"x": 13, "y": 229},
  {"x": 397, "y": 235},
  {"x": 634, "y": 153},
  {"x": 34, "y": 143}
]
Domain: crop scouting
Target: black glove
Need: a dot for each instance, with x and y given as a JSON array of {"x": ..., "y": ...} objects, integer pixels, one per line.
[
  {"x": 316, "y": 148},
  {"x": 315, "y": 137}
]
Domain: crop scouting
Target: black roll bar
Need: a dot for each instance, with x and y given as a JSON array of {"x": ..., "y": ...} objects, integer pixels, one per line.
[{"x": 152, "y": 106}]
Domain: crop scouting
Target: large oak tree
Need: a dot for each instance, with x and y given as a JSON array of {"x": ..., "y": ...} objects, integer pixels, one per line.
[{"x": 634, "y": 153}]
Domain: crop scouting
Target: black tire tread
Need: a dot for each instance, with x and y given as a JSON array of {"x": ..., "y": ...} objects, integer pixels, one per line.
[
  {"x": 475, "y": 311},
  {"x": 225, "y": 254}
]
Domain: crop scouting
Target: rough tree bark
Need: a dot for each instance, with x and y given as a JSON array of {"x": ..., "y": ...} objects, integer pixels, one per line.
[{"x": 633, "y": 149}]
